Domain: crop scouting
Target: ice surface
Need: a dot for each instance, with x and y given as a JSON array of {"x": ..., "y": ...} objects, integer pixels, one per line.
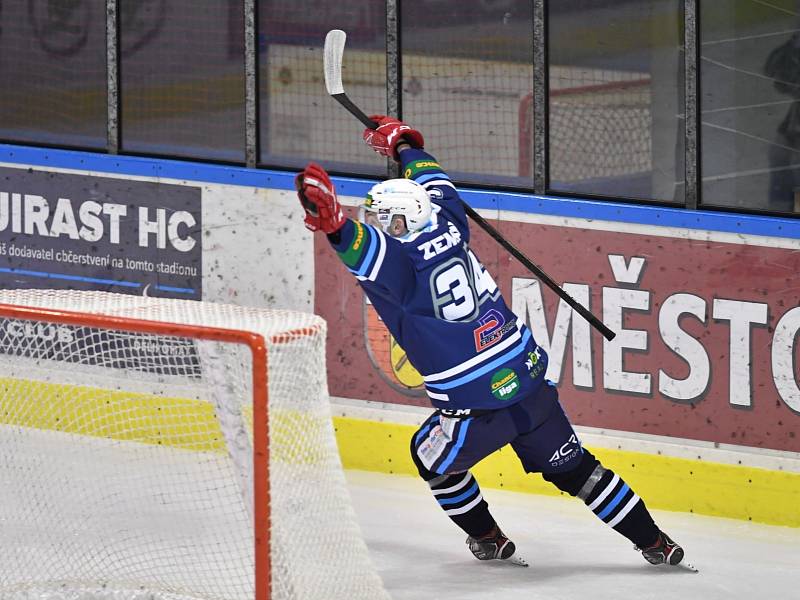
[{"x": 421, "y": 554}]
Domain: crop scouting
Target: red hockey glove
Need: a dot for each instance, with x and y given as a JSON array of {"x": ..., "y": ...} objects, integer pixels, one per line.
[
  {"x": 318, "y": 197},
  {"x": 389, "y": 134}
]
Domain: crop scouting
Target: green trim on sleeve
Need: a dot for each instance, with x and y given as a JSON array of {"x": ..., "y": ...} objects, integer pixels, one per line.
[
  {"x": 416, "y": 167},
  {"x": 352, "y": 254}
]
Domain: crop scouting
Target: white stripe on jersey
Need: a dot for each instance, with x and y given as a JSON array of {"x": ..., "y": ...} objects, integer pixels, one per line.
[
  {"x": 437, "y": 396},
  {"x": 381, "y": 255},
  {"x": 379, "y": 258},
  {"x": 432, "y": 182},
  {"x": 476, "y": 360}
]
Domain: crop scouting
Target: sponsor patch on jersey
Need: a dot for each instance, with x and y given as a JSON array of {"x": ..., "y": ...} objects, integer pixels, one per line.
[
  {"x": 535, "y": 363},
  {"x": 505, "y": 384},
  {"x": 433, "y": 446},
  {"x": 420, "y": 166},
  {"x": 492, "y": 329}
]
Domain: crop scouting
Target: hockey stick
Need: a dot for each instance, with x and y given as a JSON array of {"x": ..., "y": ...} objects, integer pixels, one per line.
[
  {"x": 332, "y": 59},
  {"x": 333, "y": 53}
]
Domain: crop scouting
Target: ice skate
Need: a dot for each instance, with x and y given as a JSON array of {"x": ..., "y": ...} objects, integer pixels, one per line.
[
  {"x": 495, "y": 545},
  {"x": 665, "y": 552}
]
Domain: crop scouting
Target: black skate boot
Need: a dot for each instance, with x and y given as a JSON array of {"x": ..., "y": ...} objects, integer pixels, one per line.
[
  {"x": 495, "y": 545},
  {"x": 664, "y": 551}
]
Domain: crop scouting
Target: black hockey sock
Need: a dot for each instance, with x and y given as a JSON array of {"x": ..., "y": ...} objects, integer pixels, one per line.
[
  {"x": 615, "y": 503},
  {"x": 461, "y": 499}
]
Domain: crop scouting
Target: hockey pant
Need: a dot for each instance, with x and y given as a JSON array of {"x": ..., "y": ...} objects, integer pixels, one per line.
[{"x": 445, "y": 448}]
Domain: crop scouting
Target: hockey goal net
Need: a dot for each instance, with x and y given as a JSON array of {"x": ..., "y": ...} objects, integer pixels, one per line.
[{"x": 164, "y": 449}]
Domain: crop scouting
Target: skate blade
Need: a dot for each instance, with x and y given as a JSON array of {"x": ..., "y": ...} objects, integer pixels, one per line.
[
  {"x": 516, "y": 560},
  {"x": 688, "y": 566}
]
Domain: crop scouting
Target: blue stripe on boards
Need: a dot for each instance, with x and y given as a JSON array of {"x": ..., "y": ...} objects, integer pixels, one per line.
[
  {"x": 486, "y": 368},
  {"x": 613, "y": 504},
  {"x": 66, "y": 277},
  {"x": 462, "y": 435},
  {"x": 456, "y": 499},
  {"x": 576, "y": 207},
  {"x": 177, "y": 290},
  {"x": 98, "y": 280}
]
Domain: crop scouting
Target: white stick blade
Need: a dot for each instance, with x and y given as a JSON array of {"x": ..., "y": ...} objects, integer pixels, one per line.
[{"x": 334, "y": 49}]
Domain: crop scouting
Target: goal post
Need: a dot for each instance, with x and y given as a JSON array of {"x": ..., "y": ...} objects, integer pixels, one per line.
[{"x": 157, "y": 448}]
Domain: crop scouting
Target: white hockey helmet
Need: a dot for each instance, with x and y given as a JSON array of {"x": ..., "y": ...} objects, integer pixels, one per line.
[{"x": 399, "y": 197}]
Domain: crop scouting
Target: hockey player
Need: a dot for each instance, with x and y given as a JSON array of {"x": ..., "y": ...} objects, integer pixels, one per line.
[{"x": 483, "y": 371}]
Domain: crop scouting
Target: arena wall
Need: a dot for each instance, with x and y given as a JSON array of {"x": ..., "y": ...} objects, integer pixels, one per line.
[{"x": 696, "y": 401}]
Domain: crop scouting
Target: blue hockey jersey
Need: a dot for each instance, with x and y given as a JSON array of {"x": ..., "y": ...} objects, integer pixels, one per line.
[{"x": 440, "y": 303}]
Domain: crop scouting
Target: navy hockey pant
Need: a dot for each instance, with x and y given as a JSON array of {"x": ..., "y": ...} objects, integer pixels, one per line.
[
  {"x": 536, "y": 427},
  {"x": 445, "y": 448}
]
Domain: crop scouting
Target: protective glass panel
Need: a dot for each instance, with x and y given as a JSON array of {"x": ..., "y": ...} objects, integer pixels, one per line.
[
  {"x": 182, "y": 78},
  {"x": 616, "y": 98},
  {"x": 299, "y": 121},
  {"x": 750, "y": 104},
  {"x": 53, "y": 73},
  {"x": 467, "y": 86}
]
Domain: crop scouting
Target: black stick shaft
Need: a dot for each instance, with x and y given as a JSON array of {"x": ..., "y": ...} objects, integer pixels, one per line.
[
  {"x": 497, "y": 236},
  {"x": 516, "y": 253},
  {"x": 354, "y": 110}
]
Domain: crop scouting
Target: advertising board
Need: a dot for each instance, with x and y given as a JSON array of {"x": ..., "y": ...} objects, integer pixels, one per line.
[{"x": 707, "y": 328}]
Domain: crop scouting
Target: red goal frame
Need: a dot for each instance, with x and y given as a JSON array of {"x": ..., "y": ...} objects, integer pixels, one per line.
[{"x": 258, "y": 348}]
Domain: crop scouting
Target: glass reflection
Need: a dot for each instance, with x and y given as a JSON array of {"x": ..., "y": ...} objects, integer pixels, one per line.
[{"x": 750, "y": 83}]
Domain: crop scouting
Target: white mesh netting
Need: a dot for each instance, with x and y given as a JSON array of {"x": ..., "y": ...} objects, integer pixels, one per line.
[
  {"x": 600, "y": 125},
  {"x": 127, "y": 458}
]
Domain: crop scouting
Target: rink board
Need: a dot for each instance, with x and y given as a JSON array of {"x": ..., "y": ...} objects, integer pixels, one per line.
[
  {"x": 665, "y": 482},
  {"x": 706, "y": 321},
  {"x": 222, "y": 228},
  {"x": 664, "y": 275},
  {"x": 188, "y": 424}
]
